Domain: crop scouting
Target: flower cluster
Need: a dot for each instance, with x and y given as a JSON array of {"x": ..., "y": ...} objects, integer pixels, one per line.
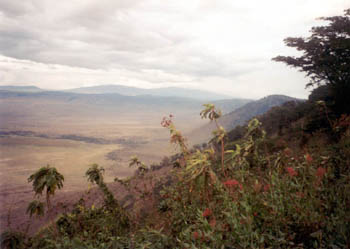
[
  {"x": 320, "y": 172},
  {"x": 308, "y": 158},
  {"x": 166, "y": 121},
  {"x": 233, "y": 183},
  {"x": 207, "y": 212},
  {"x": 291, "y": 172}
]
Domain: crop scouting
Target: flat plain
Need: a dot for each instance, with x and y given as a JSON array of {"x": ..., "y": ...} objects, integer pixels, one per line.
[{"x": 35, "y": 132}]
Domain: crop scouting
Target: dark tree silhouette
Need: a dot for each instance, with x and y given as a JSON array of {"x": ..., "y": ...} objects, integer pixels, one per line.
[
  {"x": 326, "y": 59},
  {"x": 95, "y": 175},
  {"x": 49, "y": 178}
]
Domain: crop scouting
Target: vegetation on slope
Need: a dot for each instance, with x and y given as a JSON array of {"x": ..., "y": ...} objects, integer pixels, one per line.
[
  {"x": 241, "y": 115},
  {"x": 259, "y": 197},
  {"x": 288, "y": 187}
]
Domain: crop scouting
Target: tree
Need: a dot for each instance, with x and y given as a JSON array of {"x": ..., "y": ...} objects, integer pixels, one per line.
[
  {"x": 95, "y": 175},
  {"x": 49, "y": 178},
  {"x": 326, "y": 59}
]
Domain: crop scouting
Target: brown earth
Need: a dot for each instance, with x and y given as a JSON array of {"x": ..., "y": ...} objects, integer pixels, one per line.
[
  {"x": 65, "y": 200},
  {"x": 68, "y": 137}
]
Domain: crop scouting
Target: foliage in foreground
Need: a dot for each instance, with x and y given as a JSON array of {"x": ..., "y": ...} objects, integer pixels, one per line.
[
  {"x": 247, "y": 194},
  {"x": 256, "y": 199}
]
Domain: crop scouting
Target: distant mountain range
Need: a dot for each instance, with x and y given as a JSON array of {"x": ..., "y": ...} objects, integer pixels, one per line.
[
  {"x": 35, "y": 103},
  {"x": 116, "y": 100},
  {"x": 31, "y": 104},
  {"x": 21, "y": 88},
  {"x": 116, "y": 94},
  {"x": 135, "y": 91},
  {"x": 164, "y": 92},
  {"x": 224, "y": 102}
]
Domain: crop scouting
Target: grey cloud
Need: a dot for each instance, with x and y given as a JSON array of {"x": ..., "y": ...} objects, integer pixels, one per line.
[
  {"x": 177, "y": 40},
  {"x": 97, "y": 14},
  {"x": 111, "y": 34},
  {"x": 20, "y": 44},
  {"x": 13, "y": 8}
]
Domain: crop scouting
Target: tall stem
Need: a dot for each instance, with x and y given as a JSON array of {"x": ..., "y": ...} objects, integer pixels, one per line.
[
  {"x": 222, "y": 157},
  {"x": 48, "y": 201},
  {"x": 222, "y": 150}
]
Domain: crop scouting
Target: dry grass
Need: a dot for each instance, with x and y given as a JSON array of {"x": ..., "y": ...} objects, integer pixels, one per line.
[{"x": 21, "y": 156}]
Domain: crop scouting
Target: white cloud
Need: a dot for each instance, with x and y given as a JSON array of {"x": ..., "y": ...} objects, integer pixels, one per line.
[{"x": 221, "y": 45}]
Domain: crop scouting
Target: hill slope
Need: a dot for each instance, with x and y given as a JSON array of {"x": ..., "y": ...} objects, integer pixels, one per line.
[
  {"x": 229, "y": 105},
  {"x": 241, "y": 115}
]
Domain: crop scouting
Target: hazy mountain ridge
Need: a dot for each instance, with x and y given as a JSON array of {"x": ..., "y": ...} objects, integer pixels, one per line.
[
  {"x": 53, "y": 105},
  {"x": 165, "y": 92},
  {"x": 107, "y": 99},
  {"x": 119, "y": 102},
  {"x": 21, "y": 88},
  {"x": 252, "y": 109},
  {"x": 118, "y": 94},
  {"x": 229, "y": 105},
  {"x": 243, "y": 114}
]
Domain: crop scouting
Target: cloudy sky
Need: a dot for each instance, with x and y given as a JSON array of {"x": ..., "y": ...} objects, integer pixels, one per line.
[{"x": 224, "y": 46}]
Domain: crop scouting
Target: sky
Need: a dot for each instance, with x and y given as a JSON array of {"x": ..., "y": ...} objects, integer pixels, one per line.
[{"x": 223, "y": 46}]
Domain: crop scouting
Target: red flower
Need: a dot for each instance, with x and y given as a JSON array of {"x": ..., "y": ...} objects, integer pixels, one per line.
[
  {"x": 320, "y": 172},
  {"x": 195, "y": 235},
  {"x": 212, "y": 222},
  {"x": 291, "y": 172},
  {"x": 308, "y": 158},
  {"x": 207, "y": 212},
  {"x": 231, "y": 183},
  {"x": 266, "y": 187},
  {"x": 166, "y": 122}
]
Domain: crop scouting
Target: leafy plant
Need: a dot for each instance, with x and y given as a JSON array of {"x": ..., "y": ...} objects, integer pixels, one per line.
[
  {"x": 46, "y": 178},
  {"x": 12, "y": 240},
  {"x": 175, "y": 135},
  {"x": 219, "y": 134},
  {"x": 142, "y": 168},
  {"x": 95, "y": 175},
  {"x": 35, "y": 208}
]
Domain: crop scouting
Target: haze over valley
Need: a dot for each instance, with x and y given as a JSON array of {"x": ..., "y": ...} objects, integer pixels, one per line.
[{"x": 71, "y": 130}]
